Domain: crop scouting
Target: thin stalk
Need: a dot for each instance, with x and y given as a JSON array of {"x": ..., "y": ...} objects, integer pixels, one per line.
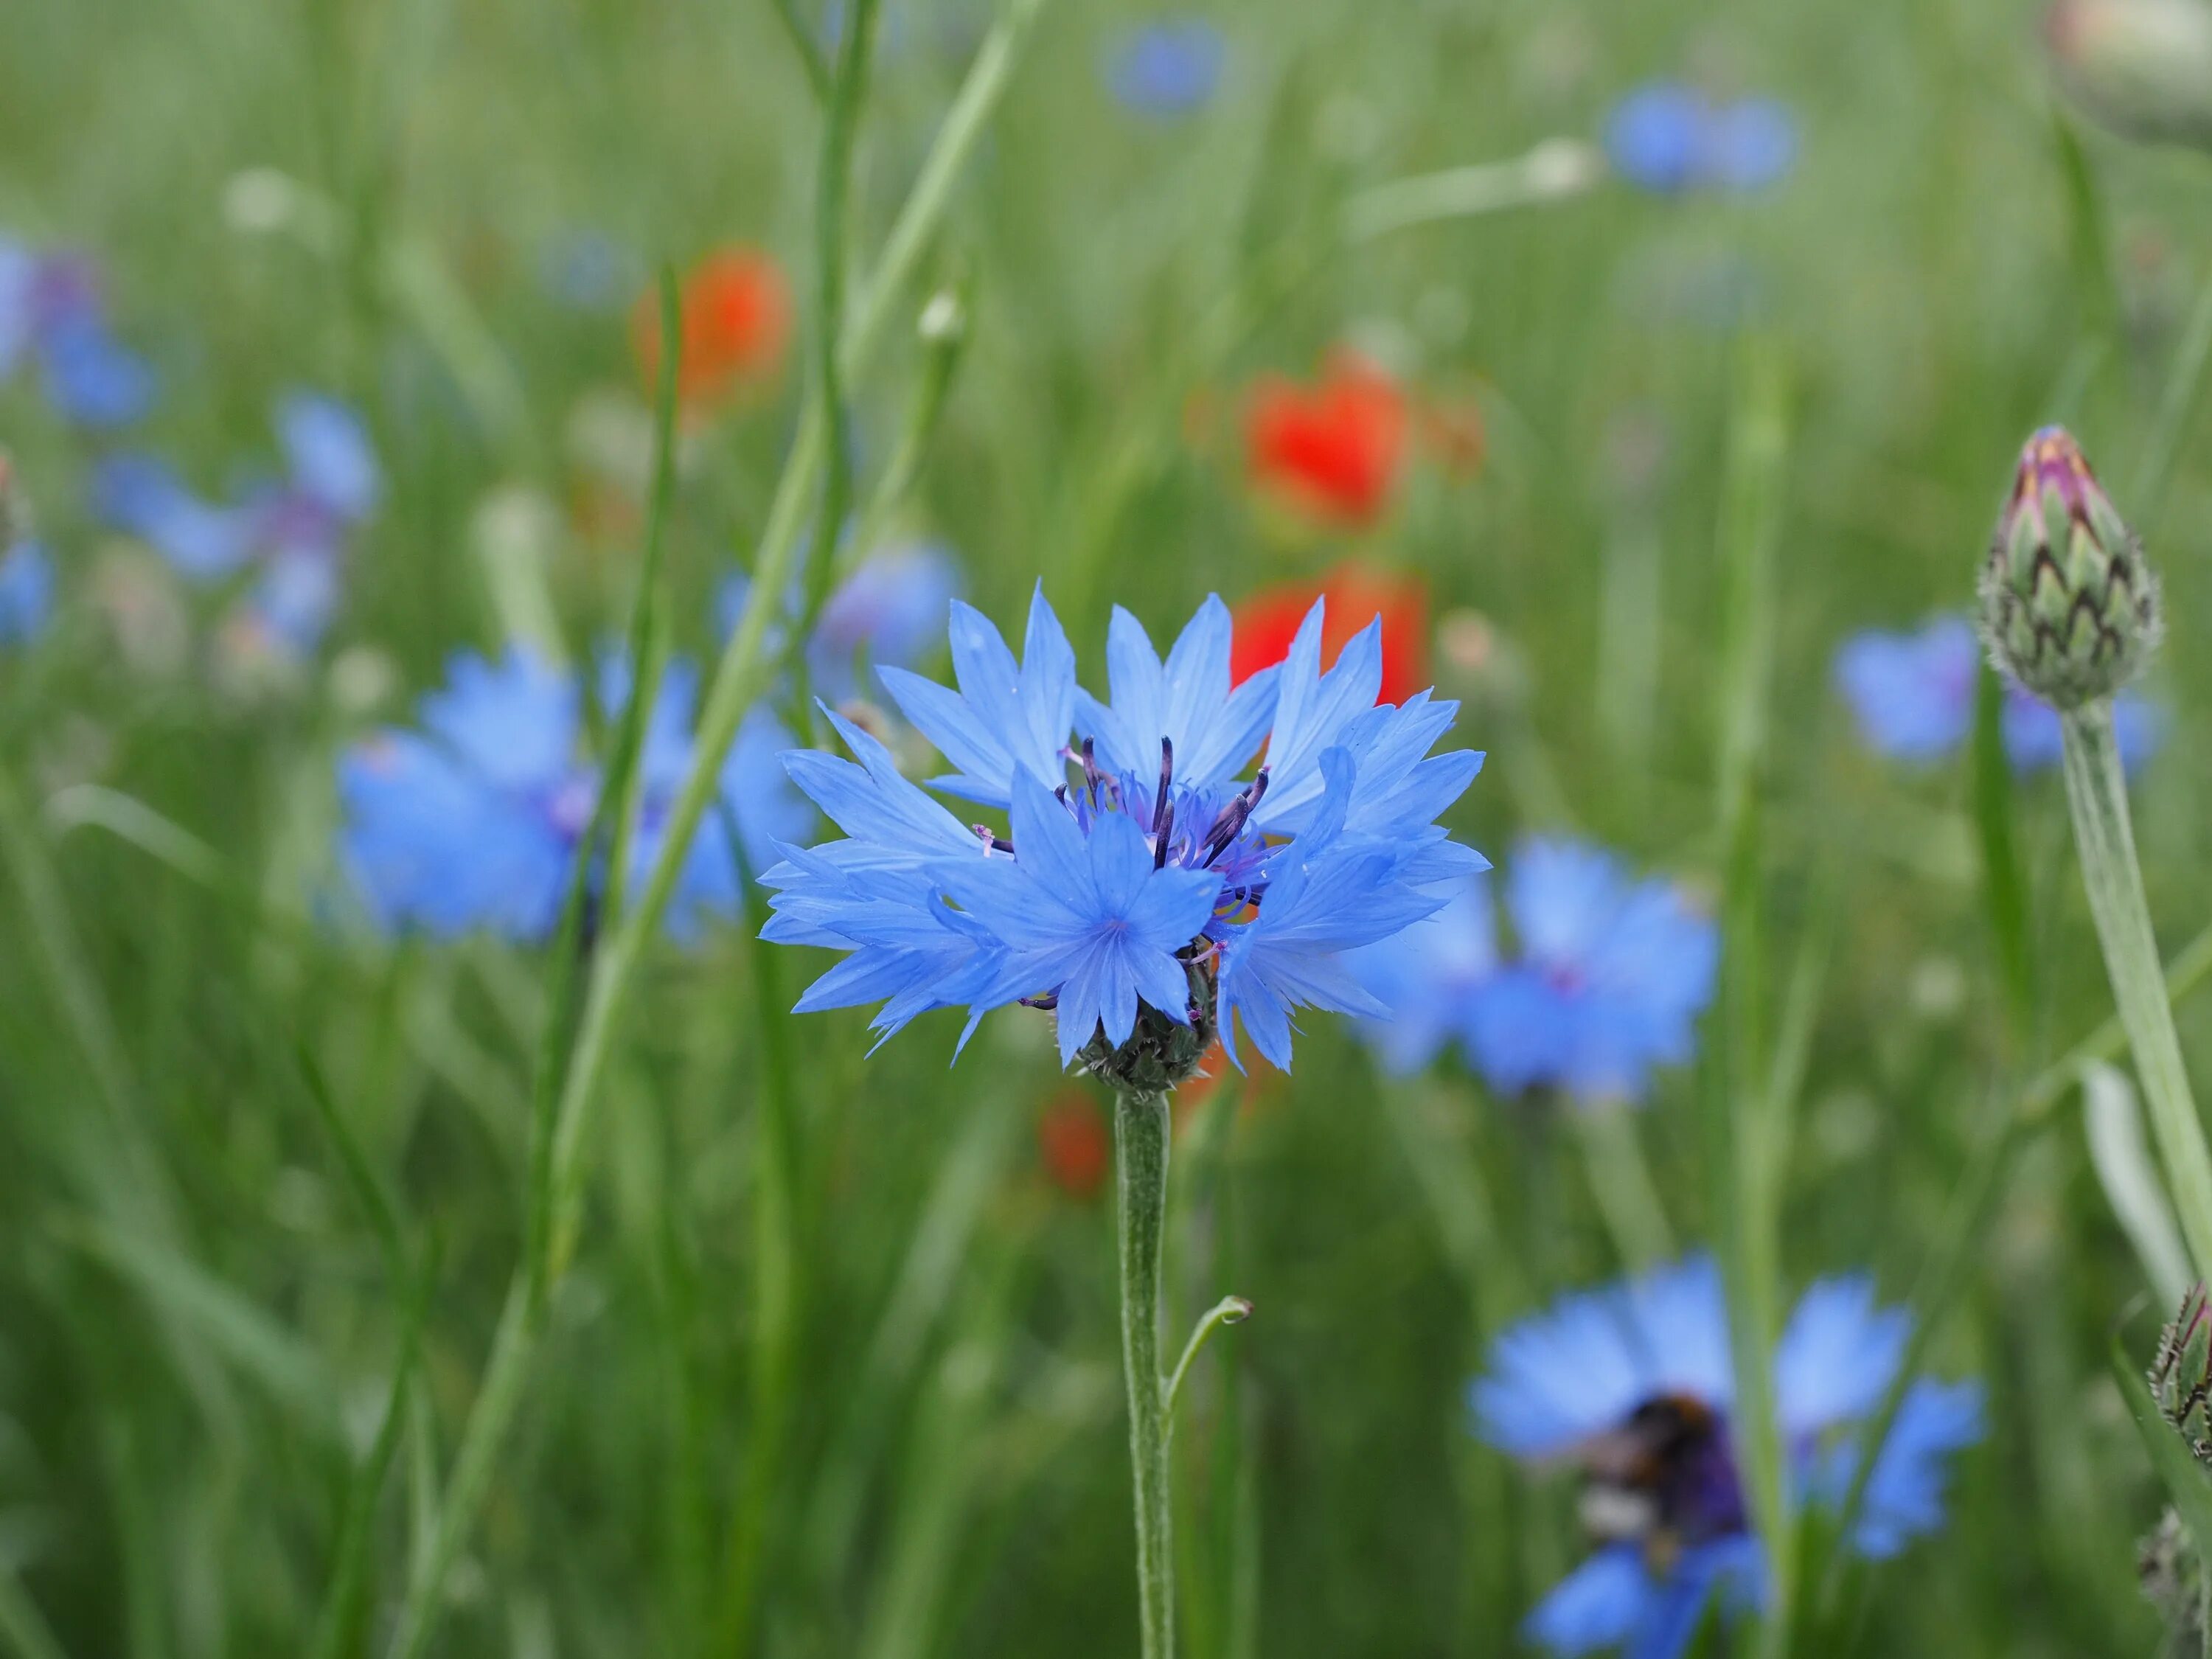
[
  {"x": 1230, "y": 1310},
  {"x": 2096, "y": 791},
  {"x": 1141, "y": 1137}
]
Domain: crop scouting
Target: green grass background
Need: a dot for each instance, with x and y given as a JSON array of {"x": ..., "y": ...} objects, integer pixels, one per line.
[{"x": 198, "y": 1323}]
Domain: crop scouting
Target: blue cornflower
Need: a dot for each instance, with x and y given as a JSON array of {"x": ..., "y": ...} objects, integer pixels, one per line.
[
  {"x": 27, "y": 593},
  {"x": 1610, "y": 977},
  {"x": 51, "y": 312},
  {"x": 1168, "y": 68},
  {"x": 1147, "y": 898},
  {"x": 473, "y": 821},
  {"x": 1633, "y": 1386},
  {"x": 293, "y": 530},
  {"x": 1670, "y": 139},
  {"x": 1912, "y": 696}
]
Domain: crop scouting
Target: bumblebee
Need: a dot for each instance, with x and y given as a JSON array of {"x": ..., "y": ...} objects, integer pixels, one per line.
[{"x": 1664, "y": 1480}]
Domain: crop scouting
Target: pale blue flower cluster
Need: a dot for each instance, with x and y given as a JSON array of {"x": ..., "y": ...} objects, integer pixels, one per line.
[
  {"x": 1606, "y": 983},
  {"x": 293, "y": 530},
  {"x": 1912, "y": 697},
  {"x": 1140, "y": 873},
  {"x": 1669, "y": 139},
  {"x": 889, "y": 612},
  {"x": 473, "y": 821},
  {"x": 53, "y": 315},
  {"x": 1632, "y": 1385}
]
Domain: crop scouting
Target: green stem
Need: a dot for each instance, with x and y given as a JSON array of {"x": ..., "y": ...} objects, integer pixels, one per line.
[
  {"x": 1141, "y": 1136},
  {"x": 2096, "y": 790},
  {"x": 1620, "y": 1179}
]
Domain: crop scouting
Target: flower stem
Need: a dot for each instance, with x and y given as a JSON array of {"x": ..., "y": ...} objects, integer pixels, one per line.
[
  {"x": 1141, "y": 1136},
  {"x": 2096, "y": 790}
]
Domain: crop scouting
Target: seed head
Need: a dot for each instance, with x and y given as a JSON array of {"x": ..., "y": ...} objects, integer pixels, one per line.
[
  {"x": 2069, "y": 606},
  {"x": 2181, "y": 1375}
]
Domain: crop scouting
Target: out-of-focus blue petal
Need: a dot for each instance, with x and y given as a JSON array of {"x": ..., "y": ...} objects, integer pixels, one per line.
[
  {"x": 1911, "y": 695},
  {"x": 1170, "y": 68},
  {"x": 1904, "y": 1494},
  {"x": 143, "y": 497},
  {"x": 891, "y": 610},
  {"x": 1425, "y": 975},
  {"x": 1581, "y": 1367},
  {"x": 19, "y": 275},
  {"x": 91, "y": 377},
  {"x": 329, "y": 455},
  {"x": 27, "y": 593},
  {"x": 1600, "y": 1604},
  {"x": 1837, "y": 1357},
  {"x": 1655, "y": 135}
]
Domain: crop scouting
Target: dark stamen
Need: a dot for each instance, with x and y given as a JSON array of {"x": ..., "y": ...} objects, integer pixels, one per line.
[
  {"x": 993, "y": 842},
  {"x": 1162, "y": 827},
  {"x": 1230, "y": 823},
  {"x": 1162, "y": 812}
]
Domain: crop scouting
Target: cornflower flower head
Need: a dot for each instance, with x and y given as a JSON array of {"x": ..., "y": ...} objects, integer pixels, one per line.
[
  {"x": 1631, "y": 1386},
  {"x": 1912, "y": 697},
  {"x": 1267, "y": 620},
  {"x": 1331, "y": 452},
  {"x": 1672, "y": 139},
  {"x": 1607, "y": 984},
  {"x": 734, "y": 323},
  {"x": 472, "y": 821},
  {"x": 1145, "y": 893},
  {"x": 292, "y": 532},
  {"x": 52, "y": 313},
  {"x": 1167, "y": 67}
]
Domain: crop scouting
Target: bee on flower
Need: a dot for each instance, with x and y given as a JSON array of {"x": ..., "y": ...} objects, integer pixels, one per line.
[{"x": 1631, "y": 1387}]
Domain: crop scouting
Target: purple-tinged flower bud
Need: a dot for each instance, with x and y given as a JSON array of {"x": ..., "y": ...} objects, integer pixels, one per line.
[
  {"x": 2143, "y": 68},
  {"x": 2069, "y": 606},
  {"x": 2181, "y": 1373}
]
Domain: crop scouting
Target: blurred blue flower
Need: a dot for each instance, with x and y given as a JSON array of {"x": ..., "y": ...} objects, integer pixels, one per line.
[
  {"x": 474, "y": 822},
  {"x": 1426, "y": 978},
  {"x": 1167, "y": 67},
  {"x": 1634, "y": 1387},
  {"x": 1670, "y": 139},
  {"x": 1912, "y": 697},
  {"x": 27, "y": 593},
  {"x": 1611, "y": 976},
  {"x": 295, "y": 530},
  {"x": 52, "y": 311},
  {"x": 1133, "y": 886}
]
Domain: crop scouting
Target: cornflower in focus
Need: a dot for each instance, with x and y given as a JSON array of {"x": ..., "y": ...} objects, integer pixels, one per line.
[
  {"x": 1167, "y": 68},
  {"x": 1268, "y": 619},
  {"x": 1633, "y": 1387},
  {"x": 473, "y": 821},
  {"x": 1331, "y": 452},
  {"x": 1607, "y": 984},
  {"x": 291, "y": 531},
  {"x": 53, "y": 314},
  {"x": 1144, "y": 893},
  {"x": 1671, "y": 139},
  {"x": 1912, "y": 697},
  {"x": 733, "y": 324}
]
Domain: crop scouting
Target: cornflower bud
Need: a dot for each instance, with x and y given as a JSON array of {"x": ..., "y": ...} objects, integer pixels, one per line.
[{"x": 2069, "y": 606}]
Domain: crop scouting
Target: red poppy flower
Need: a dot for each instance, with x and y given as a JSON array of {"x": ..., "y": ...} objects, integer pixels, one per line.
[
  {"x": 1332, "y": 451},
  {"x": 1268, "y": 620},
  {"x": 1074, "y": 1145},
  {"x": 734, "y": 313}
]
